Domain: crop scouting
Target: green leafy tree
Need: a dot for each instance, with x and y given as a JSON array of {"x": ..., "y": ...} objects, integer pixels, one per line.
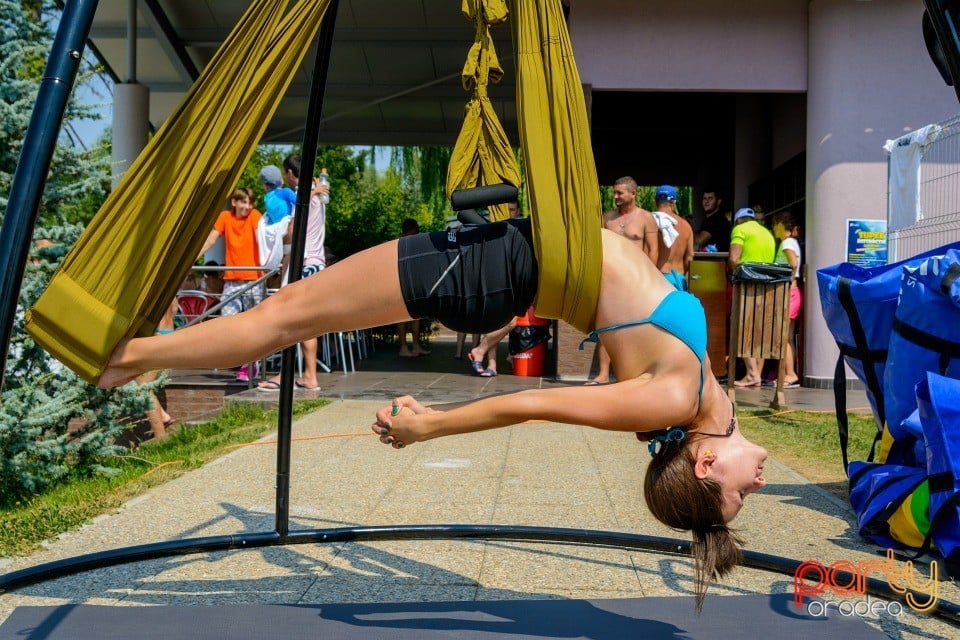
[
  {"x": 370, "y": 213},
  {"x": 423, "y": 170},
  {"x": 52, "y": 424}
]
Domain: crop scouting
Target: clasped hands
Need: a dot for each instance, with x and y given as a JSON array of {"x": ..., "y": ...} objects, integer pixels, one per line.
[{"x": 397, "y": 424}]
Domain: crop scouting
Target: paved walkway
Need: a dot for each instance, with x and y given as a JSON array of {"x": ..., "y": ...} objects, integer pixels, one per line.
[{"x": 538, "y": 474}]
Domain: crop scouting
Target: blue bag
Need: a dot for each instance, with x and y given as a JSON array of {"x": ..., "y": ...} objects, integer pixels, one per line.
[
  {"x": 938, "y": 400},
  {"x": 909, "y": 430},
  {"x": 859, "y": 306},
  {"x": 924, "y": 338},
  {"x": 878, "y": 492}
]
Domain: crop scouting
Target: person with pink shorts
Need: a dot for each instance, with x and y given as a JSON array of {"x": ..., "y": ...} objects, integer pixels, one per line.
[{"x": 786, "y": 230}]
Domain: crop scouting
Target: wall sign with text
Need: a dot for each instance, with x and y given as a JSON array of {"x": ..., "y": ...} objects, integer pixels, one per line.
[{"x": 867, "y": 242}]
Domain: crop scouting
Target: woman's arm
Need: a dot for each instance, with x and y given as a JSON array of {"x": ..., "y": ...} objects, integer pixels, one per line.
[
  {"x": 645, "y": 404},
  {"x": 792, "y": 259}
]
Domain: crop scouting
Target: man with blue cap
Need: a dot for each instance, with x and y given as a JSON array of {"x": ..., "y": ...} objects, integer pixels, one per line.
[{"x": 676, "y": 239}]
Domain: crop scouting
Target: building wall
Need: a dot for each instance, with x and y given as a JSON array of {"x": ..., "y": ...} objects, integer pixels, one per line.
[
  {"x": 870, "y": 79},
  {"x": 691, "y": 45}
]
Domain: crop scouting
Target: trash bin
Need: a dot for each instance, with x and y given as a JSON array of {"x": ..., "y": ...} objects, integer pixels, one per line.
[
  {"x": 759, "y": 317},
  {"x": 528, "y": 345}
]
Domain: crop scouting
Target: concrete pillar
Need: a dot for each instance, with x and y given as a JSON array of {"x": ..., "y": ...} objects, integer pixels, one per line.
[
  {"x": 131, "y": 125},
  {"x": 869, "y": 79}
]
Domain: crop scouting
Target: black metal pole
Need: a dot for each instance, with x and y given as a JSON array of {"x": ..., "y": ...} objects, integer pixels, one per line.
[
  {"x": 945, "y": 18},
  {"x": 308, "y": 158},
  {"x": 38, "y": 146}
]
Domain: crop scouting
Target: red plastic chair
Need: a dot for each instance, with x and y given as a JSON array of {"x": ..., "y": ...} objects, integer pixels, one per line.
[{"x": 193, "y": 304}]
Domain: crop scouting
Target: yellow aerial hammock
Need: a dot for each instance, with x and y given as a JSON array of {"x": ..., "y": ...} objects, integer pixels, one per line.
[
  {"x": 482, "y": 154},
  {"x": 558, "y": 161},
  {"x": 555, "y": 138},
  {"x": 128, "y": 264}
]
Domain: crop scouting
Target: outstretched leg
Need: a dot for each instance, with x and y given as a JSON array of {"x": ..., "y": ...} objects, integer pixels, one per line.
[{"x": 361, "y": 291}]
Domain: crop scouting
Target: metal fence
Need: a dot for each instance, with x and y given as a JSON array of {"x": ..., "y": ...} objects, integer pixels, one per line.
[{"x": 939, "y": 198}]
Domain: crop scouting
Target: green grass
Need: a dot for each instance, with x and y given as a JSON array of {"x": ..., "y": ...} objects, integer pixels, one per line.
[
  {"x": 807, "y": 441},
  {"x": 71, "y": 504}
]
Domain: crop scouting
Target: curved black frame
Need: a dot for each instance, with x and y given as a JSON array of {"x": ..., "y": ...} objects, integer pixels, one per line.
[
  {"x": 946, "y": 611},
  {"x": 73, "y": 30}
]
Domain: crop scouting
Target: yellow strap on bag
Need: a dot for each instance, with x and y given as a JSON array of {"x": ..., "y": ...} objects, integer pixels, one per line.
[
  {"x": 910, "y": 523},
  {"x": 122, "y": 273}
]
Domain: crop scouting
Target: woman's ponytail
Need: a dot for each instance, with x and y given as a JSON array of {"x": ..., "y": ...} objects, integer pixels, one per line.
[{"x": 678, "y": 499}]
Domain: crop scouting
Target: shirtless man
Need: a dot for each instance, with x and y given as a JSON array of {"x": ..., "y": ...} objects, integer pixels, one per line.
[
  {"x": 636, "y": 224},
  {"x": 631, "y": 221},
  {"x": 674, "y": 258}
]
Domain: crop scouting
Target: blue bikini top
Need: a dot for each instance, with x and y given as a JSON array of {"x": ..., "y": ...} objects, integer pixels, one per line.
[{"x": 681, "y": 315}]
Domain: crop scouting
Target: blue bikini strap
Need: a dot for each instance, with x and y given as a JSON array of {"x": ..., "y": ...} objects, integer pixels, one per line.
[{"x": 595, "y": 334}]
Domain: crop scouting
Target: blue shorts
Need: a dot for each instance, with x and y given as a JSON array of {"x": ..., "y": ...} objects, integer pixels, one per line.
[{"x": 309, "y": 270}]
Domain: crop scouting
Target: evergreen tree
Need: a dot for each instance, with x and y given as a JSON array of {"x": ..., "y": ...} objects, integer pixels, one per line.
[
  {"x": 79, "y": 179},
  {"x": 52, "y": 423}
]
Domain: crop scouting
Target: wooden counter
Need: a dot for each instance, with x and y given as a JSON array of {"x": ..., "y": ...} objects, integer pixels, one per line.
[{"x": 708, "y": 281}]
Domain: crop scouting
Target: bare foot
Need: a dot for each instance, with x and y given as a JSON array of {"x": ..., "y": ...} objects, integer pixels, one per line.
[
  {"x": 476, "y": 355},
  {"x": 305, "y": 384},
  {"x": 115, "y": 376},
  {"x": 746, "y": 382},
  {"x": 597, "y": 380},
  {"x": 420, "y": 351}
]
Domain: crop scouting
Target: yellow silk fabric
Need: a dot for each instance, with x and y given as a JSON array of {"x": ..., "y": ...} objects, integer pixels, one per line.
[
  {"x": 558, "y": 159},
  {"x": 482, "y": 154},
  {"x": 128, "y": 264}
]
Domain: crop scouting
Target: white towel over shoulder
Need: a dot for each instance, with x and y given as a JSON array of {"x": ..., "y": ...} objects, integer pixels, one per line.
[
  {"x": 270, "y": 241},
  {"x": 667, "y": 225}
]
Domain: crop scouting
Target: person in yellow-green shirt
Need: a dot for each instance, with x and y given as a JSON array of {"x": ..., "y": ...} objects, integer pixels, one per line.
[{"x": 750, "y": 241}]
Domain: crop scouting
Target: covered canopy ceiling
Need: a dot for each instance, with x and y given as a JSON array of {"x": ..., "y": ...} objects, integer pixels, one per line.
[{"x": 394, "y": 77}]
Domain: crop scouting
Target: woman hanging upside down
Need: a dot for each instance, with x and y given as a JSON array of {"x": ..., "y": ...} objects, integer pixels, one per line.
[{"x": 477, "y": 280}]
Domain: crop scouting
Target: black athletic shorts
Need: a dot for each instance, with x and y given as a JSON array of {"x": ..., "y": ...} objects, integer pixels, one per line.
[{"x": 474, "y": 279}]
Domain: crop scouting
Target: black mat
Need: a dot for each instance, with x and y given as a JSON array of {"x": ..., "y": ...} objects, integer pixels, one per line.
[{"x": 648, "y": 618}]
